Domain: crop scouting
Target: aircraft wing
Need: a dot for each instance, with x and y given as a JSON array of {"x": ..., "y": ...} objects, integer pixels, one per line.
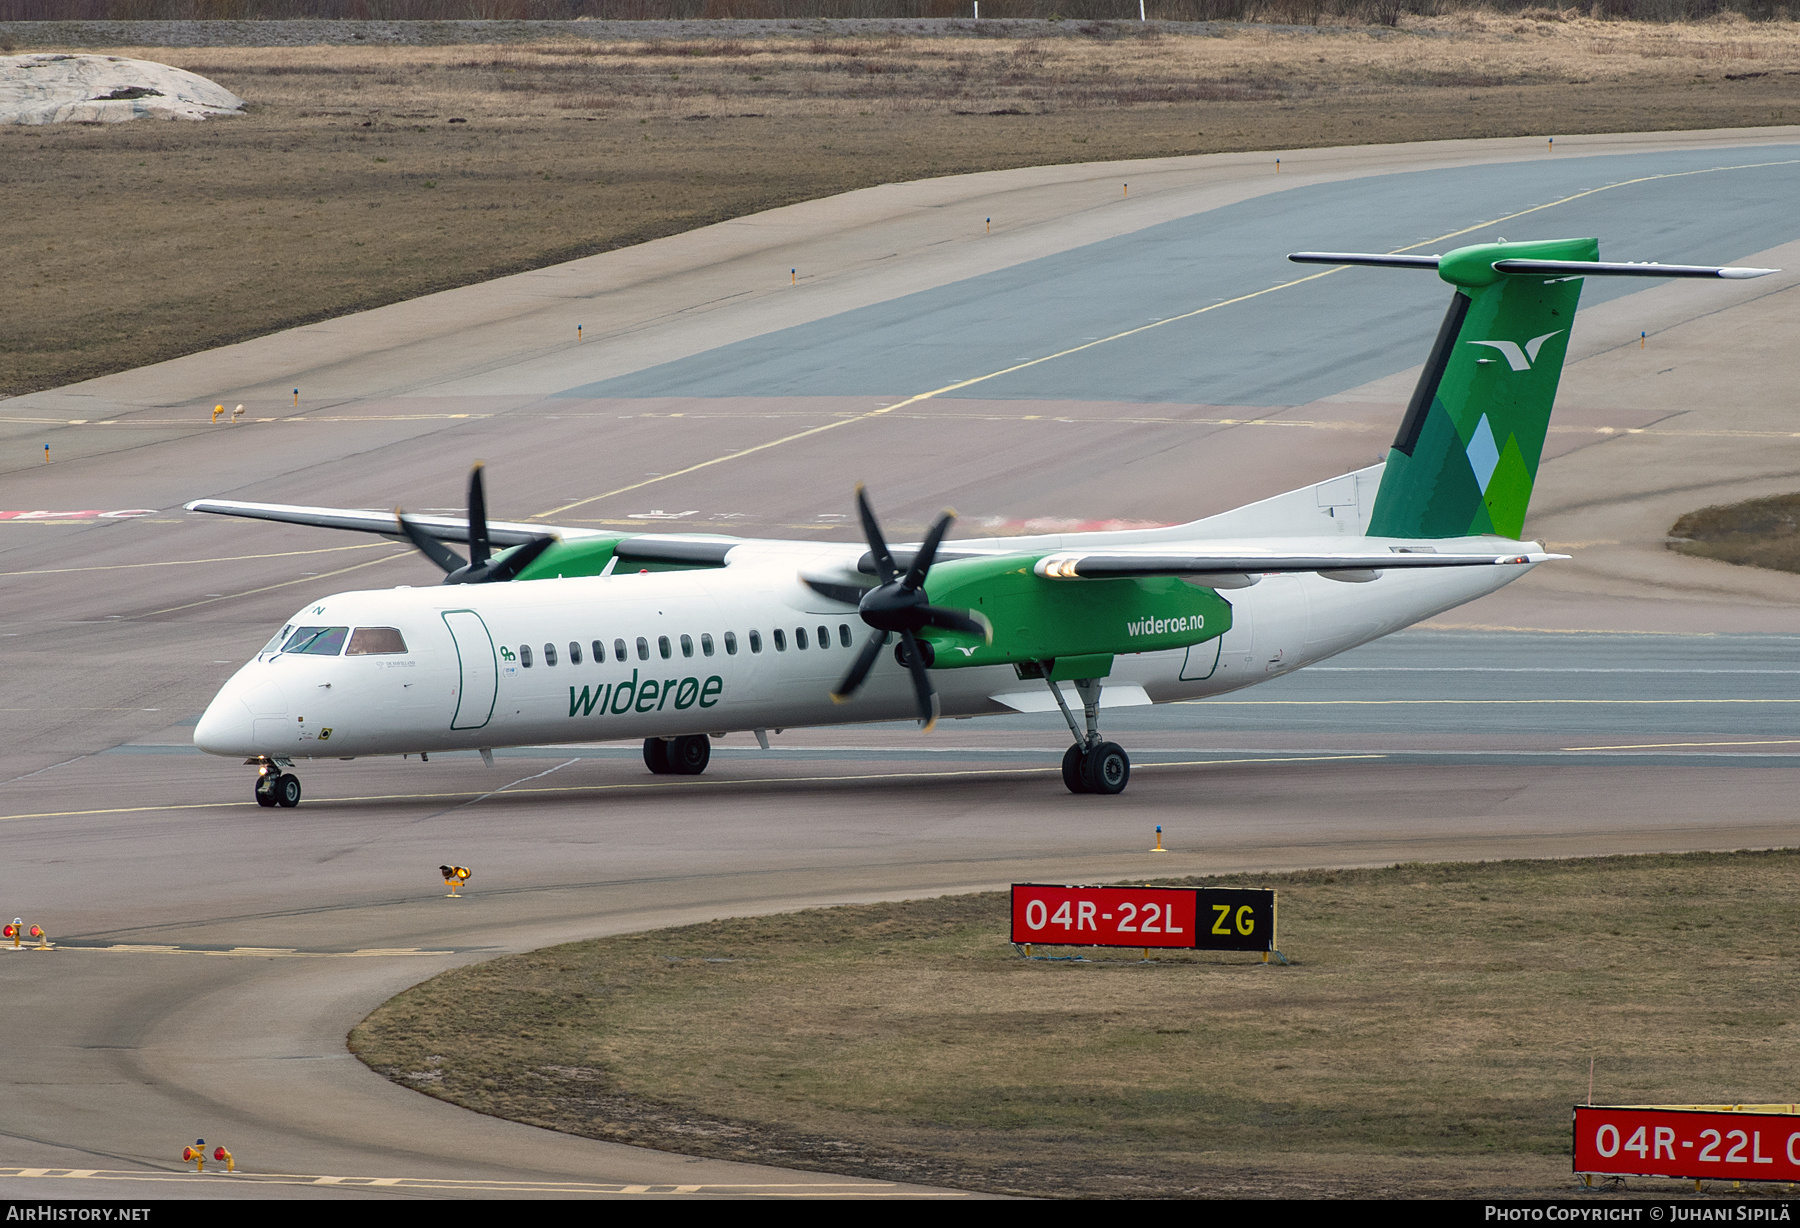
[
  {"x": 647, "y": 548},
  {"x": 1074, "y": 565},
  {"x": 444, "y": 528}
]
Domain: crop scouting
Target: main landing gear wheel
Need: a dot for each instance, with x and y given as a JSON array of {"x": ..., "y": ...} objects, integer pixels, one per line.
[
  {"x": 1104, "y": 768},
  {"x": 1073, "y": 763},
  {"x": 656, "y": 756},
  {"x": 1107, "y": 768},
  {"x": 1090, "y": 765},
  {"x": 685, "y": 756}
]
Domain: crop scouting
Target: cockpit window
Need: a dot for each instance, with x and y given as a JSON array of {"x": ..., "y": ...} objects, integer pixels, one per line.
[
  {"x": 375, "y": 641},
  {"x": 275, "y": 644},
  {"x": 318, "y": 641}
]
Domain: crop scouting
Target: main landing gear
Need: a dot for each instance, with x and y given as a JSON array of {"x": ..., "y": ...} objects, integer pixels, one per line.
[
  {"x": 275, "y": 787},
  {"x": 1091, "y": 765},
  {"x": 677, "y": 756}
]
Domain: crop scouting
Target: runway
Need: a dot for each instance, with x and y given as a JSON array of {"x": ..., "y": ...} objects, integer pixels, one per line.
[{"x": 214, "y": 955}]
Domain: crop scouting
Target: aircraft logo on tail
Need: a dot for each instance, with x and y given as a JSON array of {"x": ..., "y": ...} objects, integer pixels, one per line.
[{"x": 1515, "y": 358}]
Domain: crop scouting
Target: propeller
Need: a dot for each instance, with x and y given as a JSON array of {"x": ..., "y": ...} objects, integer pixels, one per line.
[
  {"x": 480, "y": 567},
  {"x": 898, "y": 604}
]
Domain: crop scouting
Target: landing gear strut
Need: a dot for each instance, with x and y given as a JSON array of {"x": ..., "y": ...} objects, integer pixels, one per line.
[
  {"x": 677, "y": 756},
  {"x": 1091, "y": 765},
  {"x": 275, "y": 787}
]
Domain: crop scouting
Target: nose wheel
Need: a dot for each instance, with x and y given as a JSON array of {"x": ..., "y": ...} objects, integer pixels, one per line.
[
  {"x": 1091, "y": 765},
  {"x": 275, "y": 787}
]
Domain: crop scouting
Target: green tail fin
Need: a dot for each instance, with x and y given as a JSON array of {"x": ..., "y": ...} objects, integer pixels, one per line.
[{"x": 1466, "y": 457}]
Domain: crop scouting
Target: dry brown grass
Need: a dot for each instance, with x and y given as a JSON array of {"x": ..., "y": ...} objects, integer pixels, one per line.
[
  {"x": 348, "y": 185},
  {"x": 1755, "y": 533},
  {"x": 1430, "y": 1037}
]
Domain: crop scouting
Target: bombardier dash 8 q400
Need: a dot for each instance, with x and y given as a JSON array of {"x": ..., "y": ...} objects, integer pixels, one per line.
[{"x": 574, "y": 635}]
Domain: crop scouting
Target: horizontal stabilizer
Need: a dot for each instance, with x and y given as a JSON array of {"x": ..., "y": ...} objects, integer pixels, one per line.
[
  {"x": 1380, "y": 261},
  {"x": 1068, "y": 565},
  {"x": 1602, "y": 268},
  {"x": 1541, "y": 268}
]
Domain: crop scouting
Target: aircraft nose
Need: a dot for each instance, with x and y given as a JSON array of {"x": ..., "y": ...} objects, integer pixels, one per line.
[{"x": 226, "y": 727}]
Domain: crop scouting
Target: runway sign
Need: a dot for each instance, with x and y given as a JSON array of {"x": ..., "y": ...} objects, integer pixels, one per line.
[
  {"x": 1702, "y": 1142},
  {"x": 1236, "y": 919},
  {"x": 1179, "y": 918}
]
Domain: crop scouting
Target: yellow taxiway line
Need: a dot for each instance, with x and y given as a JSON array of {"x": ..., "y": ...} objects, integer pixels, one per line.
[{"x": 667, "y": 784}]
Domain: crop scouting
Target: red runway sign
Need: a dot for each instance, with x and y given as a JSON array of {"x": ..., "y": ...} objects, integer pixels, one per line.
[
  {"x": 1180, "y": 918},
  {"x": 1103, "y": 916},
  {"x": 1696, "y": 1143}
]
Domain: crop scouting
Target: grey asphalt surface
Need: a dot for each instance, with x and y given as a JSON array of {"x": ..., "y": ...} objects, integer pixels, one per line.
[
  {"x": 219, "y": 953},
  {"x": 1309, "y": 341}
]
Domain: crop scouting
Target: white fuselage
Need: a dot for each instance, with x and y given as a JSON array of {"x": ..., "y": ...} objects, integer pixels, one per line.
[{"x": 462, "y": 680}]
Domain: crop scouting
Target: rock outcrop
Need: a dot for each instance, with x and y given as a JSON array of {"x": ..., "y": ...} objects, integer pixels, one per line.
[{"x": 50, "y": 88}]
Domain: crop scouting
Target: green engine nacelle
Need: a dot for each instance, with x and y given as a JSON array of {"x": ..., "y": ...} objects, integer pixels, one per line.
[
  {"x": 585, "y": 556},
  {"x": 588, "y": 556},
  {"x": 1037, "y": 620}
]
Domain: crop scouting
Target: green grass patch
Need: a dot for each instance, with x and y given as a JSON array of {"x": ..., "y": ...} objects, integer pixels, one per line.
[{"x": 1436, "y": 1026}]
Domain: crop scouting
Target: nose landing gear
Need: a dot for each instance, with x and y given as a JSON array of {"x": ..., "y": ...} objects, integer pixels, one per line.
[
  {"x": 275, "y": 787},
  {"x": 1091, "y": 765}
]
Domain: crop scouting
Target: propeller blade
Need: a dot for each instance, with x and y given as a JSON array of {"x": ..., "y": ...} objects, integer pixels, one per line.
[
  {"x": 859, "y": 669},
  {"x": 966, "y": 621},
  {"x": 928, "y": 552},
  {"x": 884, "y": 559},
  {"x": 849, "y": 594},
  {"x": 479, "y": 549},
  {"x": 428, "y": 546},
  {"x": 915, "y": 663},
  {"x": 515, "y": 562}
]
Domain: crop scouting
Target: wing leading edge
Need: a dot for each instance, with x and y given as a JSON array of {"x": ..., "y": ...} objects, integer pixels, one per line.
[{"x": 704, "y": 551}]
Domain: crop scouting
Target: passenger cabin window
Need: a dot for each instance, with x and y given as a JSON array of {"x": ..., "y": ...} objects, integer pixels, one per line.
[
  {"x": 525, "y": 655},
  {"x": 600, "y": 652},
  {"x": 706, "y": 644},
  {"x": 799, "y": 637},
  {"x": 643, "y": 649},
  {"x": 756, "y": 641},
  {"x": 619, "y": 649},
  {"x": 844, "y": 634},
  {"x": 687, "y": 645},
  {"x": 574, "y": 652},
  {"x": 824, "y": 637},
  {"x": 375, "y": 642},
  {"x": 662, "y": 646},
  {"x": 318, "y": 641},
  {"x": 780, "y": 640},
  {"x": 549, "y": 654},
  {"x": 731, "y": 643}
]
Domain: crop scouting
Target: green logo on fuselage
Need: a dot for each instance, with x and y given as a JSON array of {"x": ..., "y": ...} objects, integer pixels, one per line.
[{"x": 649, "y": 695}]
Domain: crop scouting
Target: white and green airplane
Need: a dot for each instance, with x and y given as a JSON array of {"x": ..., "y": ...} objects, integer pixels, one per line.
[{"x": 575, "y": 635}]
